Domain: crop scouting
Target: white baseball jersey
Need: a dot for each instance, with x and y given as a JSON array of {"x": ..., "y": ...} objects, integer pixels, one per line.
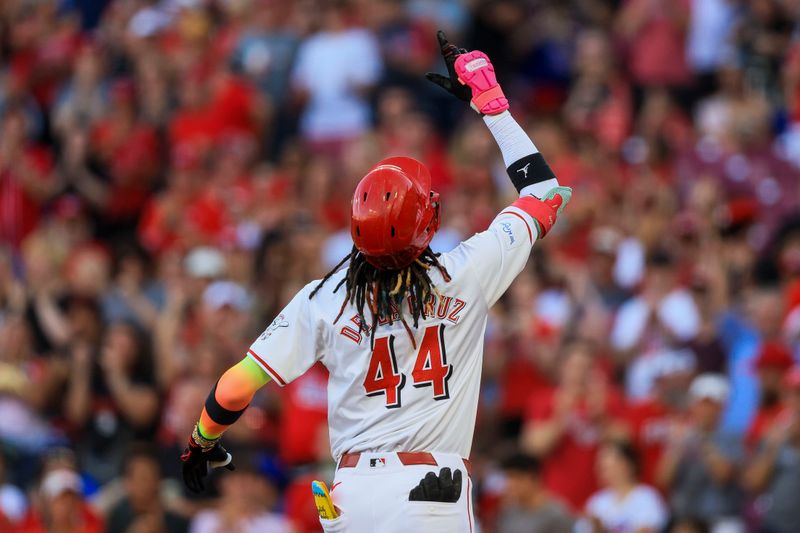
[{"x": 398, "y": 397}]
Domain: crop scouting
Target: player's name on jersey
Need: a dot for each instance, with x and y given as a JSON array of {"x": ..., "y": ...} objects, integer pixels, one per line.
[{"x": 441, "y": 307}]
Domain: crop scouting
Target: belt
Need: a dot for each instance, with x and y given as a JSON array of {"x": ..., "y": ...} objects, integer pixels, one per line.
[{"x": 350, "y": 460}]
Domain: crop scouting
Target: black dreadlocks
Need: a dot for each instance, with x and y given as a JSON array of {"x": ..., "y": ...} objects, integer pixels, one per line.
[{"x": 383, "y": 291}]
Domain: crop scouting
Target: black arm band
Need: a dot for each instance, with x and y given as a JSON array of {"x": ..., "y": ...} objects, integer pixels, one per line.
[
  {"x": 217, "y": 413},
  {"x": 529, "y": 170}
]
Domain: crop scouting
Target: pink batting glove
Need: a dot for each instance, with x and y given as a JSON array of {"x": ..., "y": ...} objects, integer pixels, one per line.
[{"x": 475, "y": 70}]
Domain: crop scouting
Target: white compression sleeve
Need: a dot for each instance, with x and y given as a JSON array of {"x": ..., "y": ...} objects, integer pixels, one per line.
[{"x": 515, "y": 144}]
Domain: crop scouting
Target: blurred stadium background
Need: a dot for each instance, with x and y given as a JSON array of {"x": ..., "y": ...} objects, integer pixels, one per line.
[{"x": 172, "y": 171}]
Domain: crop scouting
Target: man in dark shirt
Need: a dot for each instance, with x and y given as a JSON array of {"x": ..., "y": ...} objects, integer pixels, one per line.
[
  {"x": 529, "y": 507},
  {"x": 700, "y": 462},
  {"x": 142, "y": 502}
]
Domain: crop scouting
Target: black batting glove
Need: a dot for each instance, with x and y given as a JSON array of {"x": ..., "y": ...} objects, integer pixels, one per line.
[
  {"x": 451, "y": 83},
  {"x": 446, "y": 487},
  {"x": 199, "y": 458}
]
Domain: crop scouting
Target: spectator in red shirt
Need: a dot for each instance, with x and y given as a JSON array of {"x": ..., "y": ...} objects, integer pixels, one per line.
[
  {"x": 303, "y": 444},
  {"x": 190, "y": 124},
  {"x": 127, "y": 150},
  {"x": 791, "y": 77},
  {"x": 651, "y": 419},
  {"x": 299, "y": 502},
  {"x": 61, "y": 508},
  {"x": 235, "y": 107},
  {"x": 655, "y": 31},
  {"x": 525, "y": 355},
  {"x": 771, "y": 364},
  {"x": 164, "y": 216},
  {"x": 25, "y": 180},
  {"x": 774, "y": 472},
  {"x": 231, "y": 181},
  {"x": 304, "y": 418},
  {"x": 599, "y": 102},
  {"x": 404, "y": 130},
  {"x": 566, "y": 425}
]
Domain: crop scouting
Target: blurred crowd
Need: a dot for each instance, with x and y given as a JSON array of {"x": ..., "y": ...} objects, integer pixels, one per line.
[{"x": 173, "y": 171}]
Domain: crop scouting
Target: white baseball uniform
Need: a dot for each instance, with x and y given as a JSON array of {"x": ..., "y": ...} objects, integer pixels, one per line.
[{"x": 398, "y": 397}]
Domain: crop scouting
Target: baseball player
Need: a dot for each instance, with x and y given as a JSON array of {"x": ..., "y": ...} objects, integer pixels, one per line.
[{"x": 400, "y": 330}]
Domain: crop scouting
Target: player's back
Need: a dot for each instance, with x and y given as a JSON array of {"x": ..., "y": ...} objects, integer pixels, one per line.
[
  {"x": 392, "y": 393},
  {"x": 403, "y": 394}
]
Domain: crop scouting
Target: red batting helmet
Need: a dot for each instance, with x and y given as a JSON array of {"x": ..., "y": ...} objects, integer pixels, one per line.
[{"x": 395, "y": 213}]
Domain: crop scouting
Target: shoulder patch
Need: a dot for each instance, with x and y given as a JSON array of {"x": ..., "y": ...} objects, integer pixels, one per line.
[{"x": 279, "y": 322}]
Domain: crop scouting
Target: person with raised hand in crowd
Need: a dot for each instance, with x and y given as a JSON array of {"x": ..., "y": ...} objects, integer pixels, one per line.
[
  {"x": 112, "y": 398},
  {"x": 771, "y": 364},
  {"x": 654, "y": 325},
  {"x": 700, "y": 463},
  {"x": 565, "y": 425},
  {"x": 26, "y": 179},
  {"x": 775, "y": 470}
]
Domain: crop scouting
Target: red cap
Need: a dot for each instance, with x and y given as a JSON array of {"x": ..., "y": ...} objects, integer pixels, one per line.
[
  {"x": 394, "y": 213},
  {"x": 773, "y": 355},
  {"x": 738, "y": 211},
  {"x": 792, "y": 378}
]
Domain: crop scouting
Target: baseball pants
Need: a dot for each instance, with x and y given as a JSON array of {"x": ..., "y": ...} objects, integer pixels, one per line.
[{"x": 371, "y": 491}]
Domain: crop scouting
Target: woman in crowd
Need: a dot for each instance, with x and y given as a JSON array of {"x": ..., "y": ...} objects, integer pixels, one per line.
[{"x": 624, "y": 505}]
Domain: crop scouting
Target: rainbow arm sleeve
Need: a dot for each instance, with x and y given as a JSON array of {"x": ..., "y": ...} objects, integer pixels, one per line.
[{"x": 230, "y": 397}]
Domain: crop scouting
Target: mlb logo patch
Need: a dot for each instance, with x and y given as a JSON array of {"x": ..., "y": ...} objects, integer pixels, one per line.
[{"x": 378, "y": 462}]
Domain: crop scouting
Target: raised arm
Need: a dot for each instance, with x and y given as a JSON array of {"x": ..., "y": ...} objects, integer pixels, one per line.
[
  {"x": 759, "y": 472},
  {"x": 471, "y": 78},
  {"x": 499, "y": 254}
]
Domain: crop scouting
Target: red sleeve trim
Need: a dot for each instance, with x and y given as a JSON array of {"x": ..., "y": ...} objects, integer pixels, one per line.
[
  {"x": 528, "y": 226},
  {"x": 541, "y": 212},
  {"x": 274, "y": 375}
]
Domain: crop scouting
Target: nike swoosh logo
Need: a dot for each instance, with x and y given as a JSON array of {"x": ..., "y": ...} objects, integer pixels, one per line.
[{"x": 335, "y": 485}]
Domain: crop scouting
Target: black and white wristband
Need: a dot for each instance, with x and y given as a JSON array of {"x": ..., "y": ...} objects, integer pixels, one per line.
[{"x": 529, "y": 170}]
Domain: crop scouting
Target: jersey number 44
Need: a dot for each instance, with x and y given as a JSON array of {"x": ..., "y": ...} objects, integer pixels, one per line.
[{"x": 430, "y": 368}]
